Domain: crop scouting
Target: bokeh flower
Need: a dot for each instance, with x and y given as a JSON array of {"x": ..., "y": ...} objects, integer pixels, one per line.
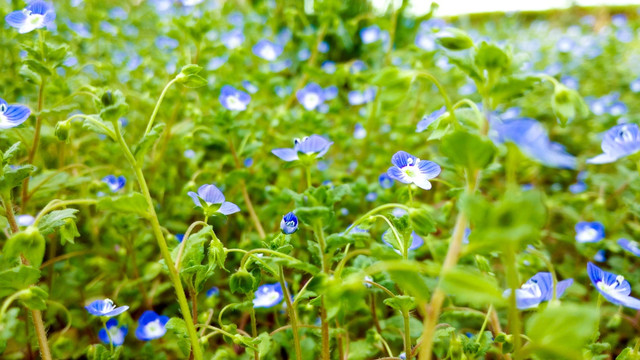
[{"x": 151, "y": 326}]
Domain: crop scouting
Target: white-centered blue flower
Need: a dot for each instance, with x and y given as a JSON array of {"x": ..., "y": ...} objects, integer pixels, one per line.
[
  {"x": 589, "y": 232},
  {"x": 268, "y": 295},
  {"x": 613, "y": 287},
  {"x": 289, "y": 223},
  {"x": 36, "y": 15},
  {"x": 267, "y": 50},
  {"x": 114, "y": 183},
  {"x": 234, "y": 99},
  {"x": 314, "y": 145},
  {"x": 210, "y": 198},
  {"x": 311, "y": 96},
  {"x": 105, "y": 307},
  {"x": 115, "y": 334},
  {"x": 538, "y": 289},
  {"x": 232, "y": 39},
  {"x": 12, "y": 115},
  {"x": 619, "y": 141},
  {"x": 25, "y": 220},
  {"x": 409, "y": 169},
  {"x": 630, "y": 246},
  {"x": 370, "y": 34},
  {"x": 359, "y": 132},
  {"x": 151, "y": 326}
]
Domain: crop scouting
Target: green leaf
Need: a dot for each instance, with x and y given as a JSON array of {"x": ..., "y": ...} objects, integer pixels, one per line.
[
  {"x": 68, "y": 232},
  {"x": 469, "y": 150},
  {"x": 29, "y": 244},
  {"x": 265, "y": 344},
  {"x": 567, "y": 104},
  {"x": 492, "y": 57},
  {"x": 130, "y": 203},
  {"x": 38, "y": 67},
  {"x": 8, "y": 327},
  {"x": 190, "y": 69},
  {"x": 454, "y": 39},
  {"x": 179, "y": 328},
  {"x": 113, "y": 105},
  {"x": 561, "y": 330},
  {"x": 141, "y": 148},
  {"x": 193, "y": 81},
  {"x": 11, "y": 152},
  {"x": 421, "y": 221},
  {"x": 35, "y": 298},
  {"x": 96, "y": 124},
  {"x": 471, "y": 286},
  {"x": 403, "y": 303},
  {"x": 17, "y": 278},
  {"x": 308, "y": 215},
  {"x": 13, "y": 176},
  {"x": 30, "y": 75},
  {"x": 412, "y": 283},
  {"x": 55, "y": 219}
]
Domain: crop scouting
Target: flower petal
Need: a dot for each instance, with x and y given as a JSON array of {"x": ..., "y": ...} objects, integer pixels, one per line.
[
  {"x": 228, "y": 208},
  {"x": 285, "y": 154}
]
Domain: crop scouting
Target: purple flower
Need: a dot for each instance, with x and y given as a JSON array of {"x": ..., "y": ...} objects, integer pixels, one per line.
[
  {"x": 619, "y": 141},
  {"x": 234, "y": 99},
  {"x": 252, "y": 89},
  {"x": 314, "y": 145},
  {"x": 328, "y": 66},
  {"x": 613, "y": 287},
  {"x": 359, "y": 65},
  {"x": 311, "y": 96},
  {"x": 267, "y": 50},
  {"x": 425, "y": 41},
  {"x": 361, "y": 97},
  {"x": 151, "y": 326},
  {"x": 210, "y": 198},
  {"x": 12, "y": 115},
  {"x": 36, "y": 15},
  {"x": 105, "y": 308},
  {"x": 589, "y": 232},
  {"x": 409, "y": 169},
  {"x": 538, "y": 289}
]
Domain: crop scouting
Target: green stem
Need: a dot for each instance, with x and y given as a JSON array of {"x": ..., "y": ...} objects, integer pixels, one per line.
[
  {"x": 513, "y": 280},
  {"x": 104, "y": 326},
  {"x": 254, "y": 330},
  {"x": 162, "y": 244},
  {"x": 36, "y": 140},
  {"x": 596, "y": 334},
  {"x": 155, "y": 110},
  {"x": 307, "y": 171},
  {"x": 292, "y": 315},
  {"x": 407, "y": 335},
  {"x": 484, "y": 323},
  {"x": 443, "y": 92}
]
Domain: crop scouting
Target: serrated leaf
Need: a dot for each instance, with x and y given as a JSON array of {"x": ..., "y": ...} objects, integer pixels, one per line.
[
  {"x": 147, "y": 141},
  {"x": 17, "y": 278},
  {"x": 55, "y": 219},
  {"x": 130, "y": 203},
  {"x": 179, "y": 328}
]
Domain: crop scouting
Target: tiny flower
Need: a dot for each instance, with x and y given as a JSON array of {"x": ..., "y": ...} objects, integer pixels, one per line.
[
  {"x": 370, "y": 34},
  {"x": 179, "y": 237},
  {"x": 232, "y": 39},
  {"x": 385, "y": 181},
  {"x": 189, "y": 154},
  {"x": 359, "y": 132},
  {"x": 304, "y": 54},
  {"x": 234, "y": 99},
  {"x": 105, "y": 307},
  {"x": 635, "y": 85},
  {"x": 416, "y": 241},
  {"x": 600, "y": 256},
  {"x": 115, "y": 334},
  {"x": 371, "y": 197},
  {"x": 630, "y": 246},
  {"x": 151, "y": 326},
  {"x": 409, "y": 169},
  {"x": 429, "y": 119},
  {"x": 613, "y": 287},
  {"x": 330, "y": 92},
  {"x": 619, "y": 141},
  {"x": 210, "y": 195},
  {"x": 323, "y": 47},
  {"x": 12, "y": 115},
  {"x": 311, "y": 96},
  {"x": 267, "y": 50},
  {"x": 465, "y": 238},
  {"x": 36, "y": 15},
  {"x": 268, "y": 295},
  {"x": 114, "y": 183},
  {"x": 289, "y": 223},
  {"x": 425, "y": 41},
  {"x": 367, "y": 280},
  {"x": 617, "y": 108},
  {"x": 248, "y": 162},
  {"x": 312, "y": 145},
  {"x": 588, "y": 232},
  {"x": 214, "y": 291},
  {"x": 359, "y": 65},
  {"x": 538, "y": 289},
  {"x": 328, "y": 66},
  {"x": 25, "y": 220},
  {"x": 252, "y": 89}
]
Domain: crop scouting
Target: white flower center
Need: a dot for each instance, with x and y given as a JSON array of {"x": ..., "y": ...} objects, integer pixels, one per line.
[
  {"x": 587, "y": 235},
  {"x": 266, "y": 297},
  {"x": 234, "y": 103},
  {"x": 108, "y": 305},
  {"x": 611, "y": 288},
  {"x": 268, "y": 53},
  {"x": 32, "y": 22},
  {"x": 154, "y": 329},
  {"x": 311, "y": 101}
]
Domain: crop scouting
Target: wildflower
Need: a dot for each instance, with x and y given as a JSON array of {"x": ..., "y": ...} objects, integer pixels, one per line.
[
  {"x": 359, "y": 132},
  {"x": 635, "y": 85},
  {"x": 232, "y": 39},
  {"x": 234, "y": 99},
  {"x": 113, "y": 334},
  {"x": 289, "y": 223},
  {"x": 25, "y": 220},
  {"x": 252, "y": 89},
  {"x": 267, "y": 50},
  {"x": 533, "y": 141},
  {"x": 425, "y": 41},
  {"x": 465, "y": 237},
  {"x": 36, "y": 15},
  {"x": 105, "y": 307},
  {"x": 179, "y": 237},
  {"x": 362, "y": 97},
  {"x": 409, "y": 169},
  {"x": 309, "y": 146},
  {"x": 385, "y": 181},
  {"x": 617, "y": 108},
  {"x": 268, "y": 295},
  {"x": 12, "y": 115},
  {"x": 538, "y": 289},
  {"x": 210, "y": 195},
  {"x": 630, "y": 245},
  {"x": 214, "y": 291},
  {"x": 330, "y": 92},
  {"x": 189, "y": 154},
  {"x": 248, "y": 162},
  {"x": 323, "y": 47},
  {"x": 416, "y": 241},
  {"x": 619, "y": 141},
  {"x": 311, "y": 96},
  {"x": 359, "y": 65},
  {"x": 429, "y": 119},
  {"x": 114, "y": 183},
  {"x": 600, "y": 256},
  {"x": 151, "y": 326},
  {"x": 588, "y": 232},
  {"x": 304, "y": 54},
  {"x": 613, "y": 287},
  {"x": 371, "y": 197},
  {"x": 328, "y": 66},
  {"x": 370, "y": 34}
]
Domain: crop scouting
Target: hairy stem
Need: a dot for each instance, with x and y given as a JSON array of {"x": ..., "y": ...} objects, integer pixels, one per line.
[{"x": 292, "y": 315}]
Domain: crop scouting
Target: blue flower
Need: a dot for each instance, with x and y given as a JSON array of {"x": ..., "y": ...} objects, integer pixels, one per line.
[
  {"x": 409, "y": 169},
  {"x": 533, "y": 141},
  {"x": 619, "y": 141},
  {"x": 268, "y": 295},
  {"x": 357, "y": 66},
  {"x": 613, "y": 287},
  {"x": 429, "y": 119},
  {"x": 304, "y": 54},
  {"x": 179, "y": 237},
  {"x": 635, "y": 85},
  {"x": 12, "y": 115},
  {"x": 267, "y": 50},
  {"x": 330, "y": 92},
  {"x": 36, "y": 15},
  {"x": 323, "y": 47},
  {"x": 617, "y": 108},
  {"x": 361, "y": 97},
  {"x": 359, "y": 132},
  {"x": 25, "y": 220},
  {"x": 234, "y": 99},
  {"x": 248, "y": 162},
  {"x": 311, "y": 96},
  {"x": 600, "y": 256},
  {"x": 312, "y": 145},
  {"x": 151, "y": 326},
  {"x": 116, "y": 334},
  {"x": 630, "y": 246},
  {"x": 289, "y": 223},
  {"x": 214, "y": 291},
  {"x": 328, "y": 66},
  {"x": 252, "y": 89},
  {"x": 114, "y": 183},
  {"x": 232, "y": 39},
  {"x": 385, "y": 181},
  {"x": 371, "y": 197},
  {"x": 105, "y": 307},
  {"x": 210, "y": 195},
  {"x": 416, "y": 241},
  {"x": 425, "y": 41},
  {"x": 589, "y": 232},
  {"x": 370, "y": 34},
  {"x": 538, "y": 289}
]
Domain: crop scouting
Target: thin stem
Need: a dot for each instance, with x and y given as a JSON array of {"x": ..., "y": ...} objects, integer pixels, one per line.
[
  {"x": 443, "y": 92},
  {"x": 514, "y": 316},
  {"x": 104, "y": 326},
  {"x": 155, "y": 110},
  {"x": 484, "y": 323},
  {"x": 407, "y": 334},
  {"x": 292, "y": 315},
  {"x": 183, "y": 244},
  {"x": 254, "y": 330},
  {"x": 307, "y": 171},
  {"x": 36, "y": 141}
]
